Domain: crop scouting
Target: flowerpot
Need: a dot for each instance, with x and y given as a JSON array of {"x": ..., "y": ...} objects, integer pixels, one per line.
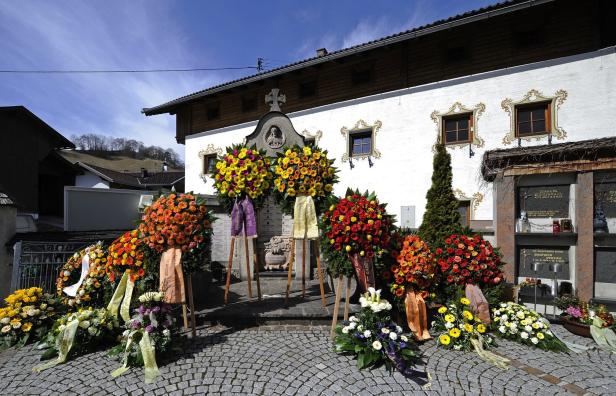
[{"x": 581, "y": 329}]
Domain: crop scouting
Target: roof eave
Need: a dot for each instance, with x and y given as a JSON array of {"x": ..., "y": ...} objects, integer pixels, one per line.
[{"x": 446, "y": 24}]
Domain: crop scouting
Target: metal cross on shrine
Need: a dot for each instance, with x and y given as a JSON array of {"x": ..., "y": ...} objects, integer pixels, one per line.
[{"x": 274, "y": 99}]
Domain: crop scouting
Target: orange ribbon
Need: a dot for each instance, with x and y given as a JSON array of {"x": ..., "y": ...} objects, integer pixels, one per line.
[
  {"x": 171, "y": 276},
  {"x": 479, "y": 304},
  {"x": 416, "y": 315}
]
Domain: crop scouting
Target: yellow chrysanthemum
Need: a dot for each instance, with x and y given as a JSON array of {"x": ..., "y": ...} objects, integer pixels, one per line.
[
  {"x": 450, "y": 318},
  {"x": 26, "y": 326},
  {"x": 455, "y": 332},
  {"x": 442, "y": 310},
  {"x": 465, "y": 301},
  {"x": 444, "y": 339},
  {"x": 468, "y": 327},
  {"x": 540, "y": 336},
  {"x": 467, "y": 315},
  {"x": 481, "y": 328}
]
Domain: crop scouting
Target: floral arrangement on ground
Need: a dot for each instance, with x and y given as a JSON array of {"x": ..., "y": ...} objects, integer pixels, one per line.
[
  {"x": 91, "y": 290},
  {"x": 458, "y": 327},
  {"x": 126, "y": 254},
  {"x": 374, "y": 339},
  {"x": 27, "y": 316},
  {"x": 582, "y": 312},
  {"x": 303, "y": 171},
  {"x": 523, "y": 325},
  {"x": 242, "y": 171}
]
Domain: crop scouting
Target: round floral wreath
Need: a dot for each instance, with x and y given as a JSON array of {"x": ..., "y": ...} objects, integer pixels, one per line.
[
  {"x": 242, "y": 171},
  {"x": 91, "y": 287},
  {"x": 303, "y": 171}
]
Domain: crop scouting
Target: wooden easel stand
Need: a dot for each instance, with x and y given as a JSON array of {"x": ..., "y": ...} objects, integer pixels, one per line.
[{"x": 290, "y": 270}]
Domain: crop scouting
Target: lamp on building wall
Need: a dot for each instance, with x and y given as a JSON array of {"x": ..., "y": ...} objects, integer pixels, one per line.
[
  {"x": 204, "y": 178},
  {"x": 370, "y": 163},
  {"x": 471, "y": 153},
  {"x": 351, "y": 163}
]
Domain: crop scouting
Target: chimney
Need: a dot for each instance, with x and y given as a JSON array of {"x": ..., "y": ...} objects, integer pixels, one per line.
[
  {"x": 321, "y": 52},
  {"x": 144, "y": 173},
  {"x": 165, "y": 166}
]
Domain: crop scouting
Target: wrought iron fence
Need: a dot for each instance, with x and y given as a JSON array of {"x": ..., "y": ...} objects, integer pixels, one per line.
[{"x": 38, "y": 263}]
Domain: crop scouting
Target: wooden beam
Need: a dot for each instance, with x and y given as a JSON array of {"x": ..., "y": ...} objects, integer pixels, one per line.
[{"x": 561, "y": 167}]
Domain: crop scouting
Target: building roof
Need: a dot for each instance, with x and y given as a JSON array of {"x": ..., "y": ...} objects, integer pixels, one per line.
[
  {"x": 56, "y": 137},
  {"x": 495, "y": 161},
  {"x": 448, "y": 23},
  {"x": 5, "y": 200},
  {"x": 135, "y": 179}
]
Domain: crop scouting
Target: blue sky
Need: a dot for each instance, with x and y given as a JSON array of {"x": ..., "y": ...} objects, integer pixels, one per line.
[{"x": 159, "y": 34}]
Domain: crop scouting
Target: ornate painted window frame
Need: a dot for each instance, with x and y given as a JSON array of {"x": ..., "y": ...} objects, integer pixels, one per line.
[
  {"x": 534, "y": 96},
  {"x": 361, "y": 126},
  {"x": 459, "y": 109},
  {"x": 314, "y": 136},
  {"x": 474, "y": 199},
  {"x": 208, "y": 150}
]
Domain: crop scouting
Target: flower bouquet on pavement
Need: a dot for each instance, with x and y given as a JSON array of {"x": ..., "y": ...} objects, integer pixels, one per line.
[
  {"x": 520, "y": 324},
  {"x": 81, "y": 281},
  {"x": 376, "y": 340},
  {"x": 149, "y": 332},
  {"x": 27, "y": 316},
  {"x": 79, "y": 332},
  {"x": 412, "y": 280},
  {"x": 459, "y": 330}
]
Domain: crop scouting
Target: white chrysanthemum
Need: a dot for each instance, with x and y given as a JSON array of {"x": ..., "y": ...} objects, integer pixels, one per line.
[
  {"x": 377, "y": 345},
  {"x": 167, "y": 333},
  {"x": 502, "y": 329},
  {"x": 504, "y": 317},
  {"x": 5, "y": 320},
  {"x": 360, "y": 328},
  {"x": 534, "y": 340},
  {"x": 393, "y": 336},
  {"x": 363, "y": 302},
  {"x": 520, "y": 315},
  {"x": 524, "y": 335},
  {"x": 345, "y": 330},
  {"x": 352, "y": 325},
  {"x": 353, "y": 319},
  {"x": 367, "y": 333},
  {"x": 448, "y": 325},
  {"x": 528, "y": 328},
  {"x": 404, "y": 338},
  {"x": 398, "y": 329},
  {"x": 513, "y": 330},
  {"x": 457, "y": 347},
  {"x": 503, "y": 305},
  {"x": 385, "y": 330}
]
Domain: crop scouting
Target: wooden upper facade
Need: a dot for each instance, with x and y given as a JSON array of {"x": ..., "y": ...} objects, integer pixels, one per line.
[{"x": 504, "y": 35}]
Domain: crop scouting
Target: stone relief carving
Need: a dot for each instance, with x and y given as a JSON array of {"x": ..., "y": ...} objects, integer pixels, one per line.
[
  {"x": 274, "y": 138},
  {"x": 277, "y": 253},
  {"x": 361, "y": 125},
  {"x": 531, "y": 97},
  {"x": 455, "y": 109},
  {"x": 208, "y": 150}
]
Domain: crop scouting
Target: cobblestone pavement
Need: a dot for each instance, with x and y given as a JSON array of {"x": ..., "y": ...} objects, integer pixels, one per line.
[{"x": 298, "y": 360}]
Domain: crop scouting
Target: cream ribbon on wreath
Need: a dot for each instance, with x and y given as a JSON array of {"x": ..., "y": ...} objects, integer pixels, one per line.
[
  {"x": 148, "y": 353},
  {"x": 498, "y": 361},
  {"x": 64, "y": 343},
  {"x": 305, "y": 218},
  {"x": 85, "y": 268},
  {"x": 122, "y": 295}
]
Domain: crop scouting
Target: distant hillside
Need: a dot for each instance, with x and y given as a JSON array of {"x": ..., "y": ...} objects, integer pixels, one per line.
[{"x": 117, "y": 163}]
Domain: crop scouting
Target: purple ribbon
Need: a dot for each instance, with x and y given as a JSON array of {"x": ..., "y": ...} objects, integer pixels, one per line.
[{"x": 243, "y": 215}]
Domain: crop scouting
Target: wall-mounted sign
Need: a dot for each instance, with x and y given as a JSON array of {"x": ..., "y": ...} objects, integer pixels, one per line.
[
  {"x": 543, "y": 257},
  {"x": 544, "y": 201},
  {"x": 606, "y": 194}
]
